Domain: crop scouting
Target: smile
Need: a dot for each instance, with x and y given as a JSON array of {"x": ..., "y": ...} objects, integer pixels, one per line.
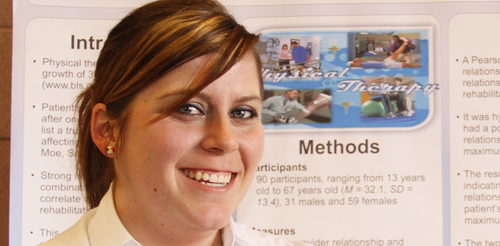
[{"x": 208, "y": 178}]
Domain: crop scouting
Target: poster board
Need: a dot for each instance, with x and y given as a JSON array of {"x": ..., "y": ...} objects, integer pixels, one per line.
[{"x": 344, "y": 175}]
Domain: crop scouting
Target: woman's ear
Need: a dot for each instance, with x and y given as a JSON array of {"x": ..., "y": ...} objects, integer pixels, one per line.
[{"x": 102, "y": 130}]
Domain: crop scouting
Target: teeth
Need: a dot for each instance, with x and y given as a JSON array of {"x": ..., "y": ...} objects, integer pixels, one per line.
[
  {"x": 221, "y": 179},
  {"x": 214, "y": 178},
  {"x": 205, "y": 177},
  {"x": 208, "y": 179},
  {"x": 198, "y": 175},
  {"x": 215, "y": 184}
]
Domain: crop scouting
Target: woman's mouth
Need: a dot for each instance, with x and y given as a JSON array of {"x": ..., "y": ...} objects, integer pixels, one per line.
[{"x": 214, "y": 179}]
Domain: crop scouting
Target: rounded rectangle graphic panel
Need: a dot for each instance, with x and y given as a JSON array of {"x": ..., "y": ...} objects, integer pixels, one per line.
[{"x": 359, "y": 79}]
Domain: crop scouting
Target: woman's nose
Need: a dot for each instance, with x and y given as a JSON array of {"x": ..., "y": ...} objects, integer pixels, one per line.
[{"x": 220, "y": 137}]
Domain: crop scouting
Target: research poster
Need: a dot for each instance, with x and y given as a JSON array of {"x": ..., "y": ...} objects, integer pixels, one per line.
[
  {"x": 474, "y": 131},
  {"x": 381, "y": 119}
]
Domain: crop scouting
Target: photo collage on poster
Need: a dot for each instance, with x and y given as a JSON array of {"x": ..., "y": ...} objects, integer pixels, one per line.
[{"x": 339, "y": 79}]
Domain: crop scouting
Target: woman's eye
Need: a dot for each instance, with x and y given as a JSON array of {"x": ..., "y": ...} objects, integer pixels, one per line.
[
  {"x": 243, "y": 113},
  {"x": 190, "y": 109}
]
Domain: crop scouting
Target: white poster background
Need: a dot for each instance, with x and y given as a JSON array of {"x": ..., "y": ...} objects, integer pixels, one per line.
[
  {"x": 353, "y": 220},
  {"x": 474, "y": 186},
  {"x": 136, "y": 3},
  {"x": 57, "y": 69},
  {"x": 41, "y": 29}
]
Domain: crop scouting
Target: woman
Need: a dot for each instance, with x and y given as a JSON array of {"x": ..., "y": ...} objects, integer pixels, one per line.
[{"x": 169, "y": 132}]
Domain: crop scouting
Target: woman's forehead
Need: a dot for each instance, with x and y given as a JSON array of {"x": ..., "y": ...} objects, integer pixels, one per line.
[{"x": 241, "y": 78}]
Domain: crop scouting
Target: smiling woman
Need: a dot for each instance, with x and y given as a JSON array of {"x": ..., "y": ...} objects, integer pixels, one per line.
[{"x": 170, "y": 132}]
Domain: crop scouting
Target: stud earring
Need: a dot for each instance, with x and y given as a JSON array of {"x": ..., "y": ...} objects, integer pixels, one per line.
[{"x": 110, "y": 150}]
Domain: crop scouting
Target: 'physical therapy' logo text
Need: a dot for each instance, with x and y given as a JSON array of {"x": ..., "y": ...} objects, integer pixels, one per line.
[
  {"x": 359, "y": 85},
  {"x": 349, "y": 85},
  {"x": 308, "y": 74}
]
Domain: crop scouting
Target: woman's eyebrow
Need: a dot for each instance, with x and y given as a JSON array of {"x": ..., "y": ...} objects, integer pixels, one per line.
[
  {"x": 249, "y": 98},
  {"x": 169, "y": 94},
  {"x": 206, "y": 97}
]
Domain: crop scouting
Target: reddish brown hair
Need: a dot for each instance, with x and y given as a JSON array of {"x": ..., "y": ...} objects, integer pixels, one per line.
[{"x": 147, "y": 44}]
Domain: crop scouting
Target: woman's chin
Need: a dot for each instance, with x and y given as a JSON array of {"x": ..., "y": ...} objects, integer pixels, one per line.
[{"x": 212, "y": 219}]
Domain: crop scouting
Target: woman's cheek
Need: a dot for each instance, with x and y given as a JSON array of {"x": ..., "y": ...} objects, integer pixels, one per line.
[{"x": 255, "y": 142}]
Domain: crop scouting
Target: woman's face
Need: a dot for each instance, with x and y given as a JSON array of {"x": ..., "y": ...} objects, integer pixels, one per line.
[
  {"x": 285, "y": 47},
  {"x": 162, "y": 167}
]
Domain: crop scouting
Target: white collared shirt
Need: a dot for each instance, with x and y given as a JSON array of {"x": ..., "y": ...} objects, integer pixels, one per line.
[{"x": 101, "y": 226}]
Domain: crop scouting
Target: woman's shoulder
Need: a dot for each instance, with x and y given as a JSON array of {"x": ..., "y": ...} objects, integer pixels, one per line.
[
  {"x": 76, "y": 235},
  {"x": 253, "y": 237}
]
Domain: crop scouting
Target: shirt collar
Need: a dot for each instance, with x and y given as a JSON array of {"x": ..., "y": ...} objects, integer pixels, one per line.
[
  {"x": 106, "y": 227},
  {"x": 231, "y": 236}
]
